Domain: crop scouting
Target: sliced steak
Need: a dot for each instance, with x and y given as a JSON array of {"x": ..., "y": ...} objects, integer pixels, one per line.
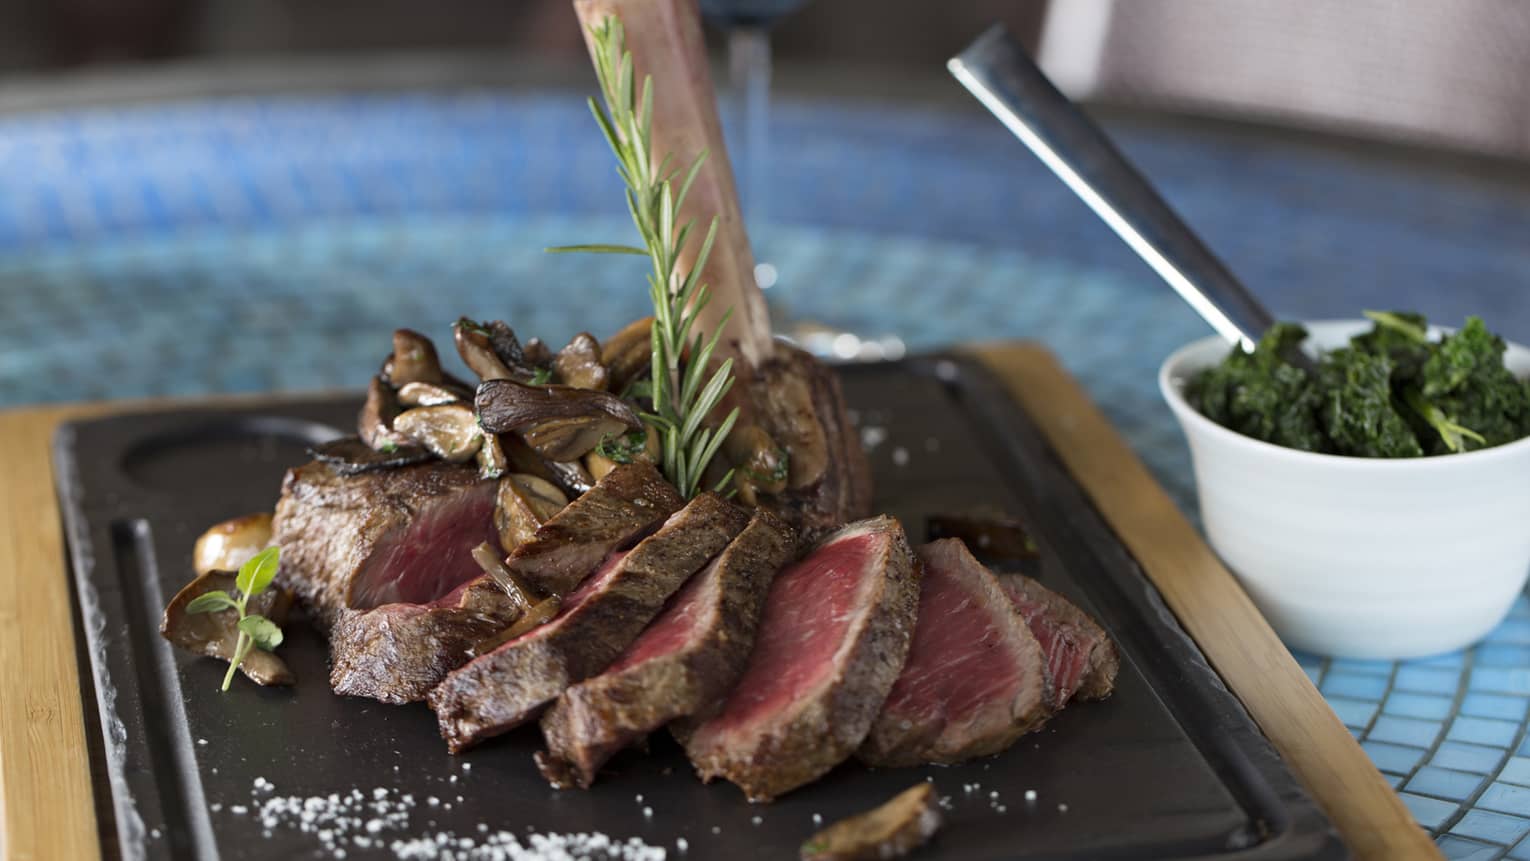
[
  {"x": 398, "y": 652},
  {"x": 831, "y": 642},
  {"x": 1081, "y": 660},
  {"x": 503, "y": 689},
  {"x": 975, "y": 679},
  {"x": 683, "y": 665},
  {"x": 628, "y": 502},
  {"x": 384, "y": 537}
]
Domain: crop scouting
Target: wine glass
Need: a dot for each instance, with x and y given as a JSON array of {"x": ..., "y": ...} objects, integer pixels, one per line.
[{"x": 748, "y": 25}]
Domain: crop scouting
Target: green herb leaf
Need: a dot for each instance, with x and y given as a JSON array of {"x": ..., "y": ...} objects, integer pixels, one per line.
[
  {"x": 256, "y": 574},
  {"x": 262, "y": 631},
  {"x": 542, "y": 377},
  {"x": 211, "y": 602},
  {"x": 596, "y": 249}
]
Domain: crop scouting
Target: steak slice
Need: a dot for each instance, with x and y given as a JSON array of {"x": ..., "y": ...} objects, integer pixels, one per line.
[
  {"x": 384, "y": 537},
  {"x": 1081, "y": 660},
  {"x": 831, "y": 642},
  {"x": 684, "y": 664},
  {"x": 496, "y": 692},
  {"x": 975, "y": 679},
  {"x": 629, "y": 501},
  {"x": 398, "y": 652}
]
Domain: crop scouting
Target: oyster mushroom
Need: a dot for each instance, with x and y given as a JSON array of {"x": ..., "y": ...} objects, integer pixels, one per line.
[
  {"x": 421, "y": 394},
  {"x": 350, "y": 456},
  {"x": 893, "y": 830},
  {"x": 624, "y": 449},
  {"x": 414, "y": 359},
  {"x": 216, "y": 635},
  {"x": 628, "y": 354},
  {"x": 561, "y": 423},
  {"x": 492, "y": 461},
  {"x": 578, "y": 364},
  {"x": 449, "y": 431},
  {"x": 760, "y": 466},
  {"x": 227, "y": 545},
  {"x": 375, "y": 424},
  {"x": 537, "y": 354},
  {"x": 476, "y": 345},
  {"x": 489, "y": 560},
  {"x": 523, "y": 504}
]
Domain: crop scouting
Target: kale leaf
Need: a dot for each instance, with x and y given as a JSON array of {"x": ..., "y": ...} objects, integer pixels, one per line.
[{"x": 1390, "y": 393}]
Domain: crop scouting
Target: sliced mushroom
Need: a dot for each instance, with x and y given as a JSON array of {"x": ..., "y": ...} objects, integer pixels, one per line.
[
  {"x": 571, "y": 476},
  {"x": 578, "y": 364},
  {"x": 216, "y": 635},
  {"x": 893, "y": 830},
  {"x": 795, "y": 425},
  {"x": 537, "y": 354},
  {"x": 492, "y": 462},
  {"x": 488, "y": 558},
  {"x": 524, "y": 503},
  {"x": 350, "y": 456},
  {"x": 539, "y": 614},
  {"x": 475, "y": 344},
  {"x": 375, "y": 424},
  {"x": 449, "y": 432},
  {"x": 624, "y": 449},
  {"x": 426, "y": 395},
  {"x": 759, "y": 465},
  {"x": 628, "y": 354},
  {"x": 227, "y": 545},
  {"x": 561, "y": 423},
  {"x": 414, "y": 359}
]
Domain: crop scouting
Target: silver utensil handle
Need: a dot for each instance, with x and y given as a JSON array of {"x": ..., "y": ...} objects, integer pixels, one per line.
[{"x": 997, "y": 71}]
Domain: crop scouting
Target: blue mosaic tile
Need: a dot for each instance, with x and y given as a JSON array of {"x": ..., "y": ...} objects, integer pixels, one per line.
[
  {"x": 1393, "y": 757},
  {"x": 1516, "y": 771},
  {"x": 1430, "y": 812},
  {"x": 1503, "y": 680},
  {"x": 1445, "y": 783},
  {"x": 1486, "y": 731},
  {"x": 1354, "y": 713},
  {"x": 1492, "y": 827},
  {"x": 1429, "y": 680},
  {"x": 1496, "y": 654},
  {"x": 1355, "y": 665},
  {"x": 1458, "y": 849},
  {"x": 1521, "y": 852},
  {"x": 1467, "y": 757},
  {"x": 1498, "y": 706},
  {"x": 1506, "y": 798},
  {"x": 1407, "y": 731},
  {"x": 1354, "y": 685},
  {"x": 1419, "y": 705}
]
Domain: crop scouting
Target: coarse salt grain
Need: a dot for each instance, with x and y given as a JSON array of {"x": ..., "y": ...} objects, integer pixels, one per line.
[
  {"x": 1030, "y": 795},
  {"x": 1062, "y": 808},
  {"x": 900, "y": 456}
]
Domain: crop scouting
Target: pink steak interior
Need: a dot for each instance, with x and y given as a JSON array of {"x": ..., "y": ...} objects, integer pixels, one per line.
[
  {"x": 810, "y": 609},
  {"x": 677, "y": 625},
  {"x": 1066, "y": 649},
  {"x": 953, "y": 664},
  {"x": 432, "y": 554}
]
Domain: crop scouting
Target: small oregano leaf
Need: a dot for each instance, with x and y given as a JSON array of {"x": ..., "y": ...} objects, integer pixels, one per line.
[
  {"x": 211, "y": 602},
  {"x": 256, "y": 574},
  {"x": 261, "y": 631}
]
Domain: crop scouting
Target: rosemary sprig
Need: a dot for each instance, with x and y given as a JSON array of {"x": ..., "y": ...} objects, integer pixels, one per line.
[{"x": 682, "y": 393}]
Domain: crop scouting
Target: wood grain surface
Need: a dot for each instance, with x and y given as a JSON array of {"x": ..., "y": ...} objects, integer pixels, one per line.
[{"x": 46, "y": 799}]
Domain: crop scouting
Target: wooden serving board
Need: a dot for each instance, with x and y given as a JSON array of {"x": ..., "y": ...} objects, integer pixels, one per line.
[{"x": 48, "y": 799}]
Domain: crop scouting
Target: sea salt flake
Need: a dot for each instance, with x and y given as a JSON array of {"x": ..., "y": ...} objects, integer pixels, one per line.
[{"x": 900, "y": 456}]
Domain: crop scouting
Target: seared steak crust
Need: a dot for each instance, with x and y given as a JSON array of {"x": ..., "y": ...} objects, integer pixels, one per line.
[
  {"x": 975, "y": 679},
  {"x": 771, "y": 743},
  {"x": 329, "y": 526},
  {"x": 683, "y": 665},
  {"x": 627, "y": 502},
  {"x": 503, "y": 689},
  {"x": 398, "y": 652},
  {"x": 1082, "y": 661}
]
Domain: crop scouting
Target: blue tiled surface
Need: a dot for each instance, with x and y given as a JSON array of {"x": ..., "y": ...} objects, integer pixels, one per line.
[{"x": 271, "y": 244}]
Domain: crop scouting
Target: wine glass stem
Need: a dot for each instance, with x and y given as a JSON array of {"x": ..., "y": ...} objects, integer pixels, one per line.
[{"x": 749, "y": 72}]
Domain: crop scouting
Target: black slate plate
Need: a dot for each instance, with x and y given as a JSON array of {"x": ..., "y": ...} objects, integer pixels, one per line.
[{"x": 1169, "y": 767}]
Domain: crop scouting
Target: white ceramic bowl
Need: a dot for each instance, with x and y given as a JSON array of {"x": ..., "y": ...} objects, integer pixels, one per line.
[{"x": 1361, "y": 557}]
